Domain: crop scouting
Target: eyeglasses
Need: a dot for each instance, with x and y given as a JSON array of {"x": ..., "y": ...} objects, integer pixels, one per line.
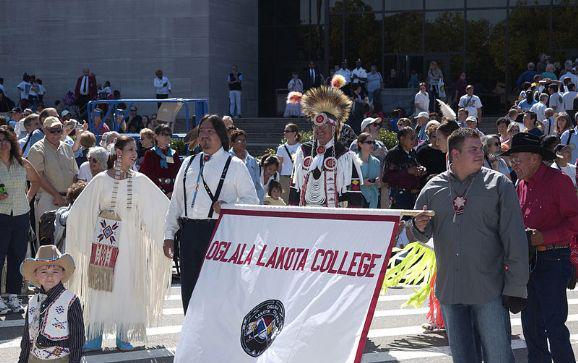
[
  {"x": 55, "y": 131},
  {"x": 370, "y": 142}
]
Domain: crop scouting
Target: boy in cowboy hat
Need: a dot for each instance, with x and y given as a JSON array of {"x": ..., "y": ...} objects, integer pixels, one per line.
[{"x": 54, "y": 328}]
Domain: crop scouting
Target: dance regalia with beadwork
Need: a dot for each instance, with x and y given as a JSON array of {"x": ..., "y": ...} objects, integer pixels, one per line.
[
  {"x": 50, "y": 323},
  {"x": 121, "y": 274},
  {"x": 326, "y": 176}
]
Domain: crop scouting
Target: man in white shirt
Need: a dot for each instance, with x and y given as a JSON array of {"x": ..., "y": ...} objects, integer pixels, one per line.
[
  {"x": 571, "y": 137},
  {"x": 569, "y": 72},
  {"x": 472, "y": 103},
  {"x": 568, "y": 98},
  {"x": 539, "y": 108},
  {"x": 359, "y": 74},
  {"x": 555, "y": 101},
  {"x": 24, "y": 88},
  {"x": 549, "y": 123},
  {"x": 162, "y": 85},
  {"x": 211, "y": 178},
  {"x": 346, "y": 73},
  {"x": 421, "y": 99}
]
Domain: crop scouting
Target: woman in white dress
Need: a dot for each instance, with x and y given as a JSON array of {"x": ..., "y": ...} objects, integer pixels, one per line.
[
  {"x": 116, "y": 238},
  {"x": 295, "y": 87}
]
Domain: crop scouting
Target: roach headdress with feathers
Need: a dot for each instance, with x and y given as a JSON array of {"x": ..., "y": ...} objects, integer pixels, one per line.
[{"x": 326, "y": 105}]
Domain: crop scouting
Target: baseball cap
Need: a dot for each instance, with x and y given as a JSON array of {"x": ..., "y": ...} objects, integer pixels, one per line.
[
  {"x": 368, "y": 121},
  {"x": 97, "y": 111},
  {"x": 132, "y": 108},
  {"x": 472, "y": 119},
  {"x": 50, "y": 122},
  {"x": 65, "y": 113},
  {"x": 16, "y": 109},
  {"x": 422, "y": 114}
]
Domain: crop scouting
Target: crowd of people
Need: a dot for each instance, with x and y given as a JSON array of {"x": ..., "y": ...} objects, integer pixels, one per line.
[{"x": 517, "y": 186}]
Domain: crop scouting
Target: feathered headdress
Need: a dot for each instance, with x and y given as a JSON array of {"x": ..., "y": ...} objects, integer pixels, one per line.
[
  {"x": 447, "y": 111},
  {"x": 294, "y": 97},
  {"x": 326, "y": 105},
  {"x": 338, "y": 81}
]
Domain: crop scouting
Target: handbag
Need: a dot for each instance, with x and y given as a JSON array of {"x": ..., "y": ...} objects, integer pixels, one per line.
[{"x": 106, "y": 240}]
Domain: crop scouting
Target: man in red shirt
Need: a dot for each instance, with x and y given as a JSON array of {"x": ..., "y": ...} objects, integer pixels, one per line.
[{"x": 550, "y": 210}]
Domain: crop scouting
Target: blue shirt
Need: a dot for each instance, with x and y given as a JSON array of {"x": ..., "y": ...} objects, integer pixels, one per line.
[
  {"x": 370, "y": 170},
  {"x": 255, "y": 172},
  {"x": 36, "y": 136},
  {"x": 525, "y": 105}
]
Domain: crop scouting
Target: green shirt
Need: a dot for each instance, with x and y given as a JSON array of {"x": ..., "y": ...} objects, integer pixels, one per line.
[{"x": 483, "y": 252}]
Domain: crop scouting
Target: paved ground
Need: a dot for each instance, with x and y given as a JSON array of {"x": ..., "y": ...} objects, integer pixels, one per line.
[{"x": 395, "y": 335}]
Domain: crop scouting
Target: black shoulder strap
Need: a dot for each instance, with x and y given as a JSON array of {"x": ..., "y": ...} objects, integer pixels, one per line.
[
  {"x": 570, "y": 133},
  {"x": 184, "y": 183},
  {"x": 27, "y": 142},
  {"x": 215, "y": 197},
  {"x": 288, "y": 153}
]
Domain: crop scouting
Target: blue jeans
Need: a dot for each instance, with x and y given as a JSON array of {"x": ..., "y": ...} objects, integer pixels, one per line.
[
  {"x": 476, "y": 328},
  {"x": 544, "y": 318},
  {"x": 13, "y": 247}
]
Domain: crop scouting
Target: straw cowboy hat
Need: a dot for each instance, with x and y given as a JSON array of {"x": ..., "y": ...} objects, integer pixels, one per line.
[{"x": 47, "y": 255}]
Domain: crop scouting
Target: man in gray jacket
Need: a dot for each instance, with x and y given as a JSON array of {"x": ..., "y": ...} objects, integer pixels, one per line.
[{"x": 481, "y": 250}]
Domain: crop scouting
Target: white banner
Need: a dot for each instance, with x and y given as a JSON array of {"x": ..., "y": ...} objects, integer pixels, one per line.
[{"x": 288, "y": 285}]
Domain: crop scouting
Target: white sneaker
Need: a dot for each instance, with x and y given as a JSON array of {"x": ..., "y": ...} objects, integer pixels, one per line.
[
  {"x": 14, "y": 304},
  {"x": 4, "y": 309}
]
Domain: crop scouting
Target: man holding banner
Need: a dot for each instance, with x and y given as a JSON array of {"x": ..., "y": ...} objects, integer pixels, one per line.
[
  {"x": 326, "y": 173},
  {"x": 481, "y": 251},
  {"x": 204, "y": 183}
]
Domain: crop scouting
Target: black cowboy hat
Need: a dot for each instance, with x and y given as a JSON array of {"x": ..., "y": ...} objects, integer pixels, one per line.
[{"x": 524, "y": 142}]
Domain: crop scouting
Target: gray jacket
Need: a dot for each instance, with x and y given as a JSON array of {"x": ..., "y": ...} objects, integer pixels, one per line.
[{"x": 483, "y": 253}]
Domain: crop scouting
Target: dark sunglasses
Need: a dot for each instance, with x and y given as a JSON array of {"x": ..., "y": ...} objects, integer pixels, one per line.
[
  {"x": 55, "y": 131},
  {"x": 369, "y": 142},
  {"x": 288, "y": 131}
]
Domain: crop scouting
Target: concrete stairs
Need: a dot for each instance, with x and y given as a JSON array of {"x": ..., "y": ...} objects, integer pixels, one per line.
[{"x": 264, "y": 133}]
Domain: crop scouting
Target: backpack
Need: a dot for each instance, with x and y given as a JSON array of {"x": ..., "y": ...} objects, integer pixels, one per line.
[{"x": 46, "y": 228}]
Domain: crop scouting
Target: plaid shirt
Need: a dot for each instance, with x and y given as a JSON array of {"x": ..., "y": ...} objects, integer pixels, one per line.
[{"x": 14, "y": 180}]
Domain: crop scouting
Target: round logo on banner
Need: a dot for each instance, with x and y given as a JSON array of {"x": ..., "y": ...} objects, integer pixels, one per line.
[{"x": 261, "y": 326}]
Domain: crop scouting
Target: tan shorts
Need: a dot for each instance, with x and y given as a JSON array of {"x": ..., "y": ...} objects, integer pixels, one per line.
[{"x": 285, "y": 181}]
